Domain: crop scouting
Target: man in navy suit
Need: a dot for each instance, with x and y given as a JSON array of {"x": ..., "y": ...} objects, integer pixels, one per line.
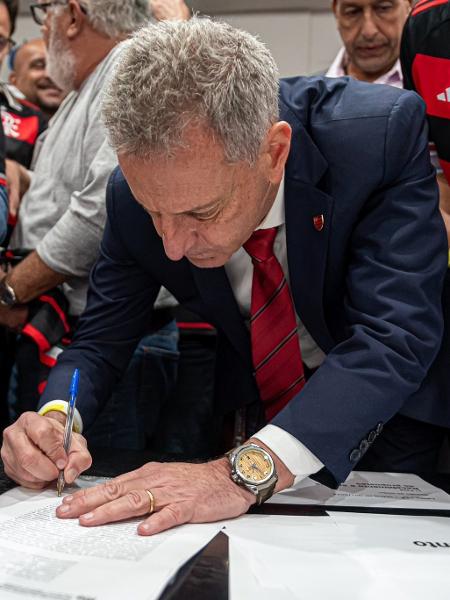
[{"x": 305, "y": 226}]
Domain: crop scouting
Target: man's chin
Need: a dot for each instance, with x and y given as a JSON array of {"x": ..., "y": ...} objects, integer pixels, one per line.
[{"x": 209, "y": 262}]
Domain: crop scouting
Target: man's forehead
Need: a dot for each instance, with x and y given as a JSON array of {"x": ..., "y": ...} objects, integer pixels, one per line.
[{"x": 362, "y": 3}]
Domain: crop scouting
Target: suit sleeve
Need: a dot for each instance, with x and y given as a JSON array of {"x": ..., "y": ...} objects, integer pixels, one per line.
[
  {"x": 397, "y": 260},
  {"x": 119, "y": 308}
]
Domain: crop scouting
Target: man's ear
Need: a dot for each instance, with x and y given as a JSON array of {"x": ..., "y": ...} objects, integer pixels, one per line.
[
  {"x": 278, "y": 145},
  {"x": 77, "y": 19},
  {"x": 334, "y": 7},
  {"x": 12, "y": 78}
]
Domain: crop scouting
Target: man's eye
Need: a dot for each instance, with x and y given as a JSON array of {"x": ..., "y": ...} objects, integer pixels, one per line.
[
  {"x": 384, "y": 7},
  {"x": 206, "y": 216},
  {"x": 351, "y": 12}
]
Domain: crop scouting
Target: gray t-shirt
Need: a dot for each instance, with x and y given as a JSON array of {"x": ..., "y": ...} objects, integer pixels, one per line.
[{"x": 63, "y": 213}]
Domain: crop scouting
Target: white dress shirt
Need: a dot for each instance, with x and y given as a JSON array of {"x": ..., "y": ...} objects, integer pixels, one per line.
[
  {"x": 295, "y": 455},
  {"x": 393, "y": 77}
]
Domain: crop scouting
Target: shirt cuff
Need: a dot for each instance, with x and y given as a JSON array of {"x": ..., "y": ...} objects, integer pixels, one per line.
[{"x": 300, "y": 461}]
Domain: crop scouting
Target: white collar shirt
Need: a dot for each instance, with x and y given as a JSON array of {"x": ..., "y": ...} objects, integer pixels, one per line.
[{"x": 393, "y": 77}]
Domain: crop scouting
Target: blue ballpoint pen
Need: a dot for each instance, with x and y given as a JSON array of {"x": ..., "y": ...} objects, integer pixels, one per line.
[{"x": 69, "y": 425}]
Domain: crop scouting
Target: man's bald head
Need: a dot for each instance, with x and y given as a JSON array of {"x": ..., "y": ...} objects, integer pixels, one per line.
[{"x": 30, "y": 76}]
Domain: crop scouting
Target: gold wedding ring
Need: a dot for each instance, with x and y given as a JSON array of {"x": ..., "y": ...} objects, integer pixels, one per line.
[{"x": 151, "y": 499}]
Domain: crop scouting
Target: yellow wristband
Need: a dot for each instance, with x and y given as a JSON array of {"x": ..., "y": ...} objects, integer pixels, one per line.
[{"x": 61, "y": 406}]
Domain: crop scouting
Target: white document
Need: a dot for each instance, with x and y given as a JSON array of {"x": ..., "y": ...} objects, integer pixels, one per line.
[
  {"x": 367, "y": 489},
  {"x": 48, "y": 558},
  {"x": 344, "y": 557}
]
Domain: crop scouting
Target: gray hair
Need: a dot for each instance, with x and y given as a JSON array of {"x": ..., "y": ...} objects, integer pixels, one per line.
[
  {"x": 172, "y": 74},
  {"x": 116, "y": 18}
]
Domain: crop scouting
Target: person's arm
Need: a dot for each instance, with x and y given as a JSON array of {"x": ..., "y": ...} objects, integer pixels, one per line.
[
  {"x": 119, "y": 308},
  {"x": 70, "y": 248}
]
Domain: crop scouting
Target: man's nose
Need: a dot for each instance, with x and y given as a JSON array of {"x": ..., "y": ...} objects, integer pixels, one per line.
[
  {"x": 176, "y": 238},
  {"x": 369, "y": 27}
]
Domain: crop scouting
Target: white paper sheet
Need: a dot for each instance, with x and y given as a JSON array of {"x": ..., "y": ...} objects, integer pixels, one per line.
[
  {"x": 366, "y": 489},
  {"x": 48, "y": 558},
  {"x": 344, "y": 557}
]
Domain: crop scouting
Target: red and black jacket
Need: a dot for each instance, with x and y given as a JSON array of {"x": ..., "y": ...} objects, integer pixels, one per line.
[
  {"x": 22, "y": 122},
  {"x": 425, "y": 57}
]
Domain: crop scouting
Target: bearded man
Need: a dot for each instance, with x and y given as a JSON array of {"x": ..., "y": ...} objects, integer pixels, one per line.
[{"x": 62, "y": 213}]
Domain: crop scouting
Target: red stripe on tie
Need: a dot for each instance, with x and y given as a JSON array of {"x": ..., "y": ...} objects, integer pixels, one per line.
[{"x": 273, "y": 327}]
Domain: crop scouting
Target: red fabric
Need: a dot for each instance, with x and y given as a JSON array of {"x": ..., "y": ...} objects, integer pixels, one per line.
[
  {"x": 12, "y": 220},
  {"x": 24, "y": 129},
  {"x": 425, "y": 5},
  {"x": 37, "y": 336},
  {"x": 432, "y": 79},
  {"x": 275, "y": 347},
  {"x": 194, "y": 325},
  {"x": 41, "y": 387},
  {"x": 57, "y": 309},
  {"x": 47, "y": 360}
]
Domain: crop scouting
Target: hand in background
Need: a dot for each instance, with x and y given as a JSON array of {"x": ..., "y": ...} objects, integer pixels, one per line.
[
  {"x": 18, "y": 180},
  {"x": 170, "y": 10},
  {"x": 32, "y": 451},
  {"x": 14, "y": 318}
]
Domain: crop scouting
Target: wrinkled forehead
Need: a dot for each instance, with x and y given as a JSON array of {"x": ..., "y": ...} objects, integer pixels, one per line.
[{"x": 363, "y": 3}]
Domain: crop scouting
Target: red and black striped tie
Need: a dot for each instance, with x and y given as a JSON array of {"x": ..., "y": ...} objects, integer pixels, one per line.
[{"x": 276, "y": 352}]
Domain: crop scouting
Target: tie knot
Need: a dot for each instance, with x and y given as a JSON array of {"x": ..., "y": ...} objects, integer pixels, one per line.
[{"x": 260, "y": 244}]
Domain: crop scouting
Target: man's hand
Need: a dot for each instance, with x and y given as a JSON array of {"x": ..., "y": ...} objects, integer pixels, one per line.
[
  {"x": 14, "y": 318},
  {"x": 33, "y": 452},
  {"x": 18, "y": 181},
  {"x": 183, "y": 493},
  {"x": 170, "y": 10}
]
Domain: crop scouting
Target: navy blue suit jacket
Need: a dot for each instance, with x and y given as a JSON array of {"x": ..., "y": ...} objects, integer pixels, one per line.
[{"x": 367, "y": 287}]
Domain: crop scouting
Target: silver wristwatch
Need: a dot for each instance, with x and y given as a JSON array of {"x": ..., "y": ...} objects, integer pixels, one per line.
[
  {"x": 7, "y": 294},
  {"x": 253, "y": 468}
]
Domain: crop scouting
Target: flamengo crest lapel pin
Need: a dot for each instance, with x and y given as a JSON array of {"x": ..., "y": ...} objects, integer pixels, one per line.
[{"x": 319, "y": 222}]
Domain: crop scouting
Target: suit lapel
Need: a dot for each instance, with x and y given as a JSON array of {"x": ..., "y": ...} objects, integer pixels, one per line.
[
  {"x": 307, "y": 255},
  {"x": 308, "y": 220},
  {"x": 215, "y": 290}
]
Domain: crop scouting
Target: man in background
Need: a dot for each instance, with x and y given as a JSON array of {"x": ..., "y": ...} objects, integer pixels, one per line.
[
  {"x": 28, "y": 64},
  {"x": 425, "y": 57},
  {"x": 22, "y": 121},
  {"x": 371, "y": 31},
  {"x": 62, "y": 213}
]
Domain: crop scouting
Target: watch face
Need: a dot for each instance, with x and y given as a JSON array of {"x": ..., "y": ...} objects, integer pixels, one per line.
[{"x": 254, "y": 465}]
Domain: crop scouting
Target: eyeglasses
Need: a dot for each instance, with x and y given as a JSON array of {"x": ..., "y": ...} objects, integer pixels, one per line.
[
  {"x": 5, "y": 42},
  {"x": 39, "y": 10}
]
